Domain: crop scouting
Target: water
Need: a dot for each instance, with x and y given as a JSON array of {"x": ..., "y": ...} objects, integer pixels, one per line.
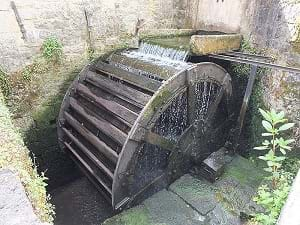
[
  {"x": 165, "y": 57},
  {"x": 156, "y": 50},
  {"x": 174, "y": 120},
  {"x": 205, "y": 93}
]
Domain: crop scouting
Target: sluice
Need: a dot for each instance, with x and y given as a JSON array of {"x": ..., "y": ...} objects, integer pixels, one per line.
[{"x": 136, "y": 121}]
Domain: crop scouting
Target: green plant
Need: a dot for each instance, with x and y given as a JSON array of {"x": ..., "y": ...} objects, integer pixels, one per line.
[
  {"x": 272, "y": 200},
  {"x": 271, "y": 196},
  {"x": 274, "y": 124},
  {"x": 5, "y": 86},
  {"x": 52, "y": 49}
]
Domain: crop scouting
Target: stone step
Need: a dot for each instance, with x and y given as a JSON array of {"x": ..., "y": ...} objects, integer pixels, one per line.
[{"x": 192, "y": 200}]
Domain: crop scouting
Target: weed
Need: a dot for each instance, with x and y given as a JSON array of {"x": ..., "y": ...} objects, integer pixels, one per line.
[
  {"x": 272, "y": 195},
  {"x": 52, "y": 50}
]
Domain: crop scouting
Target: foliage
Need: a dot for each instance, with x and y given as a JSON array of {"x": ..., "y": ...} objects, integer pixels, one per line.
[
  {"x": 273, "y": 195},
  {"x": 35, "y": 68},
  {"x": 52, "y": 49},
  {"x": 272, "y": 200},
  {"x": 5, "y": 87}
]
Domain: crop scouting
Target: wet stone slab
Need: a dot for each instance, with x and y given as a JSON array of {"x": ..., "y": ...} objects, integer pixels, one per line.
[{"x": 193, "y": 200}]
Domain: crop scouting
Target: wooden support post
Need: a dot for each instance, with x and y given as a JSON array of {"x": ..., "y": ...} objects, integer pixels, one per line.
[{"x": 19, "y": 20}]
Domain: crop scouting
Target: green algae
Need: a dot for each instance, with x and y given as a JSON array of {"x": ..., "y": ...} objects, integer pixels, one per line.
[
  {"x": 175, "y": 42},
  {"x": 134, "y": 216},
  {"x": 244, "y": 171},
  {"x": 160, "y": 99}
]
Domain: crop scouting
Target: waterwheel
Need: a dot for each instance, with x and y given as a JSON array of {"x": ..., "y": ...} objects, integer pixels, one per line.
[{"x": 134, "y": 125}]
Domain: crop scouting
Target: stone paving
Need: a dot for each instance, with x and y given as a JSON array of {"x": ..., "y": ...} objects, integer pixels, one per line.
[{"x": 194, "y": 201}]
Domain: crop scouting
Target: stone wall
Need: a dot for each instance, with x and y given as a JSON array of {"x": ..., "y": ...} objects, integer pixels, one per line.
[
  {"x": 110, "y": 23},
  {"x": 273, "y": 26}
]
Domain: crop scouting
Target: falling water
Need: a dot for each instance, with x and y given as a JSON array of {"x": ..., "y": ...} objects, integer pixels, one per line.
[
  {"x": 165, "y": 57},
  {"x": 205, "y": 93},
  {"x": 156, "y": 50},
  {"x": 174, "y": 120}
]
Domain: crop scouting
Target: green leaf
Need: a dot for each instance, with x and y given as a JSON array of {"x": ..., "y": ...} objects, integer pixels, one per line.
[
  {"x": 280, "y": 116},
  {"x": 282, "y": 151},
  {"x": 289, "y": 141},
  {"x": 266, "y": 115},
  {"x": 286, "y": 126},
  {"x": 286, "y": 147},
  {"x": 280, "y": 121},
  {"x": 268, "y": 169},
  {"x": 279, "y": 158},
  {"x": 261, "y": 148},
  {"x": 266, "y": 134},
  {"x": 267, "y": 126},
  {"x": 262, "y": 158},
  {"x": 273, "y": 114}
]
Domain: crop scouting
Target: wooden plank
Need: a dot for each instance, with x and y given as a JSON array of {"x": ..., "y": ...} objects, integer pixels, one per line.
[
  {"x": 137, "y": 80},
  {"x": 95, "y": 141},
  {"x": 90, "y": 155},
  {"x": 89, "y": 169},
  {"x": 117, "y": 109},
  {"x": 122, "y": 91},
  {"x": 155, "y": 139},
  {"x": 104, "y": 126}
]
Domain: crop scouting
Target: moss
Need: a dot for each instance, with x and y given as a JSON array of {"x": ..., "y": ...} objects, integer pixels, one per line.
[
  {"x": 166, "y": 33},
  {"x": 15, "y": 156},
  {"x": 225, "y": 202},
  {"x": 135, "y": 216},
  {"x": 175, "y": 42},
  {"x": 244, "y": 171},
  {"x": 160, "y": 99}
]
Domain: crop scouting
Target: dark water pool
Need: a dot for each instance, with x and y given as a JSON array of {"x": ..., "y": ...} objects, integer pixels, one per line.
[{"x": 79, "y": 203}]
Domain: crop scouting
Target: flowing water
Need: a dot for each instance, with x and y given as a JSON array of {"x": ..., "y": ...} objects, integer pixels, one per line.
[
  {"x": 158, "y": 51},
  {"x": 157, "y": 55}
]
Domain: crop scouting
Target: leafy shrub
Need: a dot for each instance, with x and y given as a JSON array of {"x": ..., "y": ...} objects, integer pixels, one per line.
[
  {"x": 52, "y": 49},
  {"x": 272, "y": 195}
]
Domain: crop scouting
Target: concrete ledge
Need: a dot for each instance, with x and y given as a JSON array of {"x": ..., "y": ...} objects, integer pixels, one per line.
[
  {"x": 207, "y": 44},
  {"x": 15, "y": 207}
]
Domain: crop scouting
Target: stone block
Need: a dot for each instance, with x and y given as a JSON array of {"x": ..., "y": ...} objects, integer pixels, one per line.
[
  {"x": 198, "y": 193},
  {"x": 208, "y": 44}
]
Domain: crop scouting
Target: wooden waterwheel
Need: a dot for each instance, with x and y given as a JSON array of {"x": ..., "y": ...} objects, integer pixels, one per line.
[{"x": 133, "y": 132}]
